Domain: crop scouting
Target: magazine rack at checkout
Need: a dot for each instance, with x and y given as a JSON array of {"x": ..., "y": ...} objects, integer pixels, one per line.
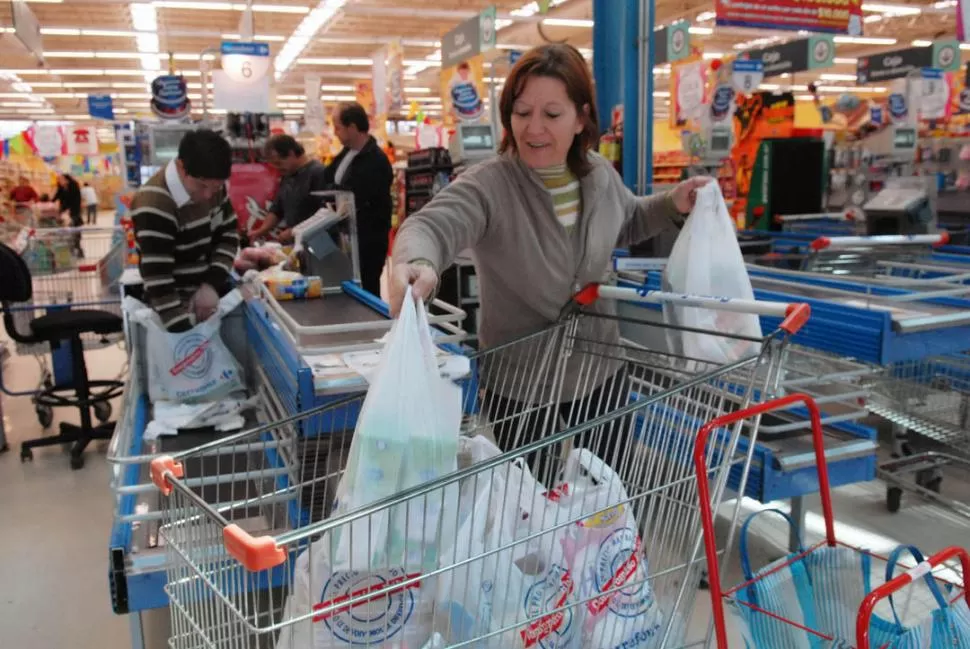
[{"x": 868, "y": 604}]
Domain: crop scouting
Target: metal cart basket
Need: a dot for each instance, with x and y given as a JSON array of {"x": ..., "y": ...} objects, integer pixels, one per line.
[{"x": 247, "y": 529}]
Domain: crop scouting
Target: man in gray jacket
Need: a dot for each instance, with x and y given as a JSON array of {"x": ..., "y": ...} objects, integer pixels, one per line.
[{"x": 294, "y": 202}]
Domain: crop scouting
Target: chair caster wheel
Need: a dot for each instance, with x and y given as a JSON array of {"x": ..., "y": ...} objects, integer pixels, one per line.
[
  {"x": 26, "y": 455},
  {"x": 77, "y": 462},
  {"x": 894, "y": 498},
  {"x": 45, "y": 415},
  {"x": 102, "y": 411}
]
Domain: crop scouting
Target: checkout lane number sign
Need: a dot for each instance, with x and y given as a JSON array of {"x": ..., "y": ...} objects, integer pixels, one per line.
[
  {"x": 746, "y": 75},
  {"x": 245, "y": 62}
]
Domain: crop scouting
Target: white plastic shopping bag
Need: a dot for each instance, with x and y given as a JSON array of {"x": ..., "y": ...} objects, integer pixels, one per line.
[
  {"x": 706, "y": 260},
  {"x": 191, "y": 366},
  {"x": 406, "y": 435},
  {"x": 397, "y": 619}
]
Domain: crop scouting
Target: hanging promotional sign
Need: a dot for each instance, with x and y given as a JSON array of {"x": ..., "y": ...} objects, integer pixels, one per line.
[
  {"x": 474, "y": 36},
  {"x": 897, "y": 64},
  {"x": 934, "y": 94},
  {"x": 897, "y": 103},
  {"x": 722, "y": 103},
  {"x": 825, "y": 16},
  {"x": 688, "y": 92},
  {"x": 796, "y": 56},
  {"x": 48, "y": 140},
  {"x": 672, "y": 43},
  {"x": 170, "y": 97},
  {"x": 395, "y": 77},
  {"x": 379, "y": 78},
  {"x": 313, "y": 115},
  {"x": 463, "y": 90},
  {"x": 746, "y": 74},
  {"x": 252, "y": 187},
  {"x": 82, "y": 140},
  {"x": 245, "y": 62},
  {"x": 364, "y": 93},
  {"x": 100, "y": 107},
  {"x": 250, "y": 97}
]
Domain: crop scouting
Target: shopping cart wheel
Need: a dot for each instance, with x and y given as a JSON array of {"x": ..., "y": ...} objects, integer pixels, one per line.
[
  {"x": 77, "y": 461},
  {"x": 45, "y": 415},
  {"x": 894, "y": 498},
  {"x": 26, "y": 455},
  {"x": 102, "y": 410}
]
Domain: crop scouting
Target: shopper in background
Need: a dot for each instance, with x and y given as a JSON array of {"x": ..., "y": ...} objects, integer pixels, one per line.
[
  {"x": 542, "y": 220},
  {"x": 363, "y": 168},
  {"x": 23, "y": 192},
  {"x": 90, "y": 198},
  {"x": 294, "y": 203},
  {"x": 68, "y": 197},
  {"x": 185, "y": 229}
]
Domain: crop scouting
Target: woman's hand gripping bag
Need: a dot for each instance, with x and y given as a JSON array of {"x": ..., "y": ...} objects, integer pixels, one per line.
[
  {"x": 605, "y": 555},
  {"x": 706, "y": 260},
  {"x": 192, "y": 366},
  {"x": 406, "y": 435}
]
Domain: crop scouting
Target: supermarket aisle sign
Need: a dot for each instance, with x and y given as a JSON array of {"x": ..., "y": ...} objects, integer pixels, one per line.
[
  {"x": 746, "y": 75},
  {"x": 100, "y": 107},
  {"x": 796, "y": 56},
  {"x": 672, "y": 42},
  {"x": 943, "y": 54},
  {"x": 826, "y": 16},
  {"x": 473, "y": 36},
  {"x": 82, "y": 140},
  {"x": 245, "y": 62}
]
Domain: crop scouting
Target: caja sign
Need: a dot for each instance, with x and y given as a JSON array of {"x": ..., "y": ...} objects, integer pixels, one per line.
[{"x": 944, "y": 55}]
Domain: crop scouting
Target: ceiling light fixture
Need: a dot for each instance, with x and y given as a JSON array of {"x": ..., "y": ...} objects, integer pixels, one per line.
[
  {"x": 845, "y": 60},
  {"x": 864, "y": 40},
  {"x": 229, "y": 6},
  {"x": 701, "y": 31},
  {"x": 862, "y": 89},
  {"x": 891, "y": 10},
  {"x": 704, "y": 16},
  {"x": 829, "y": 76},
  {"x": 318, "y": 18},
  {"x": 567, "y": 22}
]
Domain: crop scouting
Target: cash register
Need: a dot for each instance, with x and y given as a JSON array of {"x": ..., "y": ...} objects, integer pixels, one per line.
[{"x": 471, "y": 144}]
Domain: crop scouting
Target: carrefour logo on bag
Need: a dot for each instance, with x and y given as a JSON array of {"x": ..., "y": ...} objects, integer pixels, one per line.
[
  {"x": 371, "y": 620},
  {"x": 553, "y": 630},
  {"x": 192, "y": 357},
  {"x": 617, "y": 563}
]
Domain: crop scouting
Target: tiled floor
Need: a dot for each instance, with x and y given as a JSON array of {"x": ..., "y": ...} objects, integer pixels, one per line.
[{"x": 54, "y": 526}]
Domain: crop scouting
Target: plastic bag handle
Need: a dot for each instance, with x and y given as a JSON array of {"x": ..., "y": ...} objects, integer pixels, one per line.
[
  {"x": 743, "y": 542},
  {"x": 921, "y": 567}
]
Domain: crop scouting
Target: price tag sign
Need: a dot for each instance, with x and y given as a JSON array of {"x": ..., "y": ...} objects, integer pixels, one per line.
[
  {"x": 934, "y": 95},
  {"x": 245, "y": 62},
  {"x": 746, "y": 75}
]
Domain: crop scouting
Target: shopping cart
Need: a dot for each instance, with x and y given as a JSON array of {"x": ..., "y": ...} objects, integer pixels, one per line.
[
  {"x": 848, "y": 612},
  {"x": 247, "y": 535},
  {"x": 849, "y": 222},
  {"x": 70, "y": 268}
]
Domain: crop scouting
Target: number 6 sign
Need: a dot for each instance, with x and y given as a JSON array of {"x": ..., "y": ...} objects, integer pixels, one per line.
[{"x": 245, "y": 62}]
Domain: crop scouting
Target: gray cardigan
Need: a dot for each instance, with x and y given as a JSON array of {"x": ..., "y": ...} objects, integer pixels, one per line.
[{"x": 529, "y": 267}]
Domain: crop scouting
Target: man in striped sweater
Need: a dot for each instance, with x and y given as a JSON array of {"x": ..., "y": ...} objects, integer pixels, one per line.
[{"x": 185, "y": 228}]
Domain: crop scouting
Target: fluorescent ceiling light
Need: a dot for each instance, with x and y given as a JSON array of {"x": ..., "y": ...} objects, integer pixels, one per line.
[
  {"x": 21, "y": 104},
  {"x": 830, "y": 76},
  {"x": 61, "y": 95},
  {"x": 891, "y": 10},
  {"x": 661, "y": 93},
  {"x": 874, "y": 18},
  {"x": 338, "y": 97},
  {"x": 862, "y": 89},
  {"x": 965, "y": 46},
  {"x": 229, "y": 6},
  {"x": 85, "y": 84},
  {"x": 945, "y": 4},
  {"x": 188, "y": 56},
  {"x": 69, "y": 55},
  {"x": 269, "y": 38},
  {"x": 334, "y": 61},
  {"x": 317, "y": 19},
  {"x": 567, "y": 22},
  {"x": 864, "y": 40},
  {"x": 287, "y": 97},
  {"x": 708, "y": 56},
  {"x": 60, "y": 31},
  {"x": 804, "y": 97},
  {"x": 107, "y": 32},
  {"x": 775, "y": 86},
  {"x": 147, "y": 42},
  {"x": 143, "y": 17},
  {"x": 701, "y": 31},
  {"x": 705, "y": 16},
  {"x": 410, "y": 90},
  {"x": 921, "y": 43},
  {"x": 845, "y": 60}
]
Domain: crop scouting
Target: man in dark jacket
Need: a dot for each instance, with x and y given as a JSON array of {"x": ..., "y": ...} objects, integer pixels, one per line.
[{"x": 363, "y": 169}]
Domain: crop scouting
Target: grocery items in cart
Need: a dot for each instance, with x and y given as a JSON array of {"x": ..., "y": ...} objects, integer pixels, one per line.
[
  {"x": 706, "y": 260},
  {"x": 191, "y": 366},
  {"x": 406, "y": 435},
  {"x": 564, "y": 567},
  {"x": 824, "y": 595}
]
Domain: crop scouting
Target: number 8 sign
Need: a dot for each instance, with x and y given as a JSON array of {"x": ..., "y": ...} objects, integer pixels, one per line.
[{"x": 746, "y": 75}]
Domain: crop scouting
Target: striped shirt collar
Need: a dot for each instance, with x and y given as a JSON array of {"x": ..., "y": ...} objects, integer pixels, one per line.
[{"x": 175, "y": 186}]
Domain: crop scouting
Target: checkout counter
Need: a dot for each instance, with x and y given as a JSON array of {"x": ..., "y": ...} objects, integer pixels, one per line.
[{"x": 292, "y": 353}]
